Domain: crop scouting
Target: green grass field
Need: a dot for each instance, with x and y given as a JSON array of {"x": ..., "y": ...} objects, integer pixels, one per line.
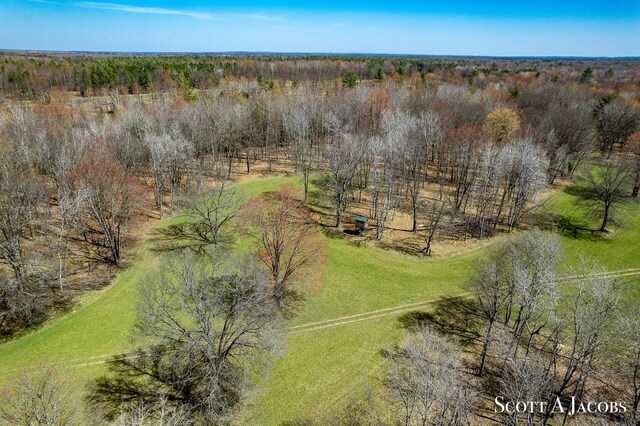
[
  {"x": 619, "y": 250},
  {"x": 324, "y": 364},
  {"x": 99, "y": 326}
]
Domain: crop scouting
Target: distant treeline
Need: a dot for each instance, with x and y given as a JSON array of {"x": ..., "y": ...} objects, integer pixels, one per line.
[{"x": 35, "y": 75}]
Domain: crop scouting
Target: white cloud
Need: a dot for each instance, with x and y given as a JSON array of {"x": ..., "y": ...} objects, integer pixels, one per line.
[
  {"x": 257, "y": 16},
  {"x": 145, "y": 10}
]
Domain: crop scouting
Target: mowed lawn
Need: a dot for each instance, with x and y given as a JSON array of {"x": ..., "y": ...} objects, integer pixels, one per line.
[
  {"x": 100, "y": 325},
  {"x": 324, "y": 367},
  {"x": 618, "y": 250},
  {"x": 321, "y": 367}
]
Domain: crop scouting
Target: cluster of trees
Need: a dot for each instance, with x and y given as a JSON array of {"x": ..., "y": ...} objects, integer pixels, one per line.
[
  {"x": 208, "y": 325},
  {"x": 480, "y": 184},
  {"x": 37, "y": 76},
  {"x": 529, "y": 334},
  {"x": 41, "y": 75},
  {"x": 460, "y": 159},
  {"x": 65, "y": 200},
  {"x": 547, "y": 338},
  {"x": 209, "y": 322},
  {"x": 466, "y": 152}
]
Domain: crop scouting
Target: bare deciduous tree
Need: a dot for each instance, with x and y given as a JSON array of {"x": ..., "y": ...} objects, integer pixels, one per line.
[
  {"x": 518, "y": 279},
  {"x": 163, "y": 414},
  {"x": 615, "y": 122},
  {"x": 493, "y": 294},
  {"x": 435, "y": 212},
  {"x": 384, "y": 181},
  {"x": 528, "y": 380},
  {"x": 487, "y": 187},
  {"x": 573, "y": 137},
  {"x": 634, "y": 162},
  {"x": 532, "y": 266},
  {"x": 21, "y": 301},
  {"x": 627, "y": 357},
  {"x": 19, "y": 195},
  {"x": 206, "y": 333},
  {"x": 127, "y": 136},
  {"x": 298, "y": 128},
  {"x": 425, "y": 378},
  {"x": 110, "y": 197},
  {"x": 591, "y": 312},
  {"x": 41, "y": 398},
  {"x": 169, "y": 156},
  {"x": 605, "y": 189},
  {"x": 342, "y": 164},
  {"x": 410, "y": 152},
  {"x": 527, "y": 178},
  {"x": 288, "y": 247},
  {"x": 215, "y": 211},
  {"x": 464, "y": 164}
]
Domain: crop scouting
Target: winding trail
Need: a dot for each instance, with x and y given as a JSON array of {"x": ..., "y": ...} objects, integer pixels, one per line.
[
  {"x": 364, "y": 316},
  {"x": 349, "y": 319}
]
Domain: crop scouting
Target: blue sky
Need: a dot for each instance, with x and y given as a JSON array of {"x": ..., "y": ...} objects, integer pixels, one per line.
[{"x": 496, "y": 28}]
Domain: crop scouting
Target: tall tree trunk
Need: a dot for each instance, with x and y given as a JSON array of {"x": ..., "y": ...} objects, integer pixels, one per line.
[
  {"x": 306, "y": 185},
  {"x": 603, "y": 227},
  {"x": 414, "y": 228},
  {"x": 485, "y": 348}
]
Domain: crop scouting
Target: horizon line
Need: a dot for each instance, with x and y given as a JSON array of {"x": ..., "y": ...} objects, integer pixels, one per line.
[{"x": 300, "y": 53}]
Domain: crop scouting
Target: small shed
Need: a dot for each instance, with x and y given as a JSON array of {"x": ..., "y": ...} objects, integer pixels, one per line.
[{"x": 361, "y": 224}]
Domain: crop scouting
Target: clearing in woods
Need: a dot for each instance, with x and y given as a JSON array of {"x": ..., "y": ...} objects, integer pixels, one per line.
[{"x": 334, "y": 342}]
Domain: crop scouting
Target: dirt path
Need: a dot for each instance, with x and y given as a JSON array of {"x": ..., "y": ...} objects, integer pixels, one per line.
[
  {"x": 319, "y": 325},
  {"x": 355, "y": 318}
]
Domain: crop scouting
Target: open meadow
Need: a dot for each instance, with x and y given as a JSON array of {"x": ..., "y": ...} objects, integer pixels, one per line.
[{"x": 333, "y": 345}]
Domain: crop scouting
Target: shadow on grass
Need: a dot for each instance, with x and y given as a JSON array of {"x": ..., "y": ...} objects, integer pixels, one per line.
[
  {"x": 321, "y": 213},
  {"x": 568, "y": 226},
  {"x": 582, "y": 192},
  {"x": 450, "y": 315},
  {"x": 176, "y": 237},
  {"x": 333, "y": 232},
  {"x": 349, "y": 236},
  {"x": 402, "y": 246},
  {"x": 354, "y": 237}
]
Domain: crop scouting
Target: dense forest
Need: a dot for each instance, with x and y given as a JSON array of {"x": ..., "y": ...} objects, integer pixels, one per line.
[
  {"x": 36, "y": 75},
  {"x": 96, "y": 148}
]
